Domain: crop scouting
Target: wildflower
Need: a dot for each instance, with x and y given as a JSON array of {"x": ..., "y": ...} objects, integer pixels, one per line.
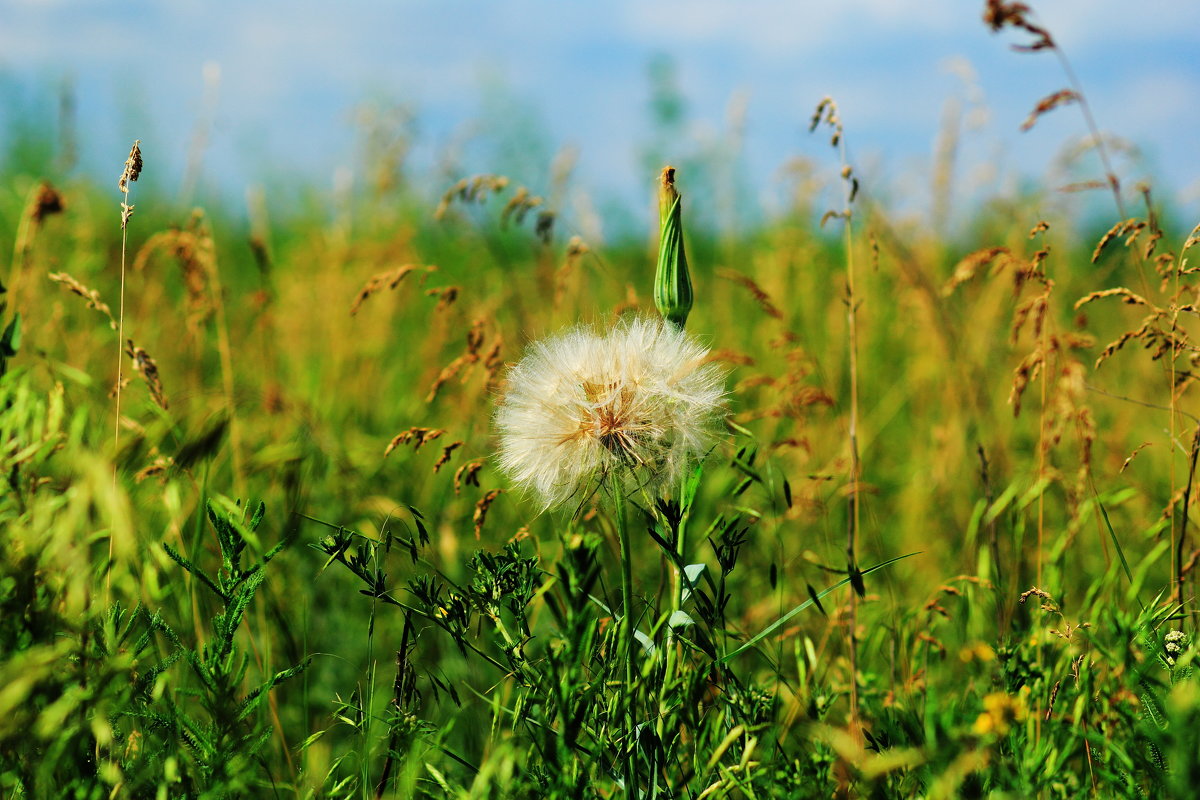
[
  {"x": 1000, "y": 712},
  {"x": 637, "y": 404},
  {"x": 979, "y": 651},
  {"x": 1174, "y": 643}
]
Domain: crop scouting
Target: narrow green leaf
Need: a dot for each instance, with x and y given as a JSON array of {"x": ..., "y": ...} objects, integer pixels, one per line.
[{"x": 779, "y": 623}]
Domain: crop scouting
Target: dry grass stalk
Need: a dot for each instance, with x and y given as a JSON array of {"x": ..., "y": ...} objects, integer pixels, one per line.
[
  {"x": 91, "y": 295},
  {"x": 448, "y": 372},
  {"x": 998, "y": 14},
  {"x": 1133, "y": 455},
  {"x": 446, "y": 296},
  {"x": 463, "y": 363},
  {"x": 576, "y": 250},
  {"x": 826, "y": 112},
  {"x": 418, "y": 437},
  {"x": 46, "y": 202},
  {"x": 158, "y": 467},
  {"x": 1144, "y": 332},
  {"x": 1072, "y": 412},
  {"x": 1193, "y": 238},
  {"x": 193, "y": 249},
  {"x": 386, "y": 280},
  {"x": 1026, "y": 372},
  {"x": 148, "y": 368},
  {"x": 1082, "y": 186},
  {"x": 1129, "y": 228},
  {"x": 470, "y": 190},
  {"x": 43, "y": 202},
  {"x": 467, "y": 474},
  {"x": 133, "y": 167},
  {"x": 543, "y": 228},
  {"x": 492, "y": 362},
  {"x": 1047, "y": 104},
  {"x": 1190, "y": 565},
  {"x": 969, "y": 267},
  {"x": 481, "y": 509},
  {"x": 1119, "y": 291},
  {"x": 131, "y": 172},
  {"x": 760, "y": 296},
  {"x": 729, "y": 356},
  {"x": 444, "y": 458},
  {"x": 1035, "y": 308},
  {"x": 520, "y": 204}
]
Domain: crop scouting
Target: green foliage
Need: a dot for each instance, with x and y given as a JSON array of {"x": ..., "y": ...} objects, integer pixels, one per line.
[
  {"x": 102, "y": 698},
  {"x": 1022, "y": 628}
]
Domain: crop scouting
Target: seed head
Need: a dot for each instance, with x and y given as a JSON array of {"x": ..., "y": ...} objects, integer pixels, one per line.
[{"x": 637, "y": 404}]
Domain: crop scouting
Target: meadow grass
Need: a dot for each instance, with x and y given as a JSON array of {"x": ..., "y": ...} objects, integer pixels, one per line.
[{"x": 942, "y": 548}]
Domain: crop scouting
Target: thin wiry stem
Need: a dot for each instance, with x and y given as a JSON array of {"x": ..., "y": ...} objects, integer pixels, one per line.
[
  {"x": 849, "y": 185},
  {"x": 1110, "y": 174},
  {"x": 827, "y": 112},
  {"x": 120, "y": 359},
  {"x": 129, "y": 173},
  {"x": 631, "y": 779}
]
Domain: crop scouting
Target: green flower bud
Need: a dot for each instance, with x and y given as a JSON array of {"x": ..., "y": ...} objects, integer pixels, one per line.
[{"x": 672, "y": 284}]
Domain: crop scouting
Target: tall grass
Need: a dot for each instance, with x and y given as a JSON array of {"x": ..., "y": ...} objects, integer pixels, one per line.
[{"x": 347, "y": 601}]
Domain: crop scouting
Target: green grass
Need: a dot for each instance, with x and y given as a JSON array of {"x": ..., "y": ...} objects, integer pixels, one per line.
[{"x": 261, "y": 603}]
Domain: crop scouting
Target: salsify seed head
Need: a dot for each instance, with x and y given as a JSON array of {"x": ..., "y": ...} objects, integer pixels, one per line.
[{"x": 637, "y": 404}]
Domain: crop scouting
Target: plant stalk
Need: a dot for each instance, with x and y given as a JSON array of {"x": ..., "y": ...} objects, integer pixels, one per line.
[{"x": 630, "y": 641}]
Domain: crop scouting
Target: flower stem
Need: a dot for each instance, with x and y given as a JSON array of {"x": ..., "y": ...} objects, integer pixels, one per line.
[{"x": 631, "y": 787}]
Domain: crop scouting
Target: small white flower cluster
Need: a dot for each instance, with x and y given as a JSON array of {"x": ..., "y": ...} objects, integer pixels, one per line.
[
  {"x": 638, "y": 403},
  {"x": 1175, "y": 642}
]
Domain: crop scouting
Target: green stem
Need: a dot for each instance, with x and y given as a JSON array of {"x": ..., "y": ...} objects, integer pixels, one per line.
[
  {"x": 672, "y": 646},
  {"x": 631, "y": 787}
]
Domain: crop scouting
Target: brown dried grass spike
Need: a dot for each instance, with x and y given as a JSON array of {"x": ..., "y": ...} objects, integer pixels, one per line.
[
  {"x": 385, "y": 280},
  {"x": 446, "y": 296},
  {"x": 481, "y": 509},
  {"x": 1120, "y": 291},
  {"x": 91, "y": 295},
  {"x": 1119, "y": 229},
  {"x": 144, "y": 364},
  {"x": 133, "y": 167},
  {"x": 418, "y": 436},
  {"x": 467, "y": 474},
  {"x": 447, "y": 451},
  {"x": 760, "y": 296},
  {"x": 969, "y": 267},
  {"x": 1049, "y": 103}
]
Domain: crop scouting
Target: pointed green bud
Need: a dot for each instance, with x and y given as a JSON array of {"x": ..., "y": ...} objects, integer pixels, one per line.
[{"x": 672, "y": 284}]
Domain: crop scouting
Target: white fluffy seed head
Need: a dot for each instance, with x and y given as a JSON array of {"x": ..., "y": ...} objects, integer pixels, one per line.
[{"x": 638, "y": 404}]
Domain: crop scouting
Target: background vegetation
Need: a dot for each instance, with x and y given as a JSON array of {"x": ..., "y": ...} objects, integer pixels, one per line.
[{"x": 289, "y": 568}]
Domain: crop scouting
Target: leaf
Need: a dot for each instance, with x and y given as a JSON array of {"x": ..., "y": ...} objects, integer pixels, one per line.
[
  {"x": 194, "y": 570},
  {"x": 779, "y": 623},
  {"x": 203, "y": 446},
  {"x": 680, "y": 619},
  {"x": 691, "y": 575},
  {"x": 10, "y": 340},
  {"x": 1116, "y": 542}
]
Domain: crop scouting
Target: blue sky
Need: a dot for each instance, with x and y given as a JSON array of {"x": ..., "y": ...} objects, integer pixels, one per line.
[{"x": 285, "y": 78}]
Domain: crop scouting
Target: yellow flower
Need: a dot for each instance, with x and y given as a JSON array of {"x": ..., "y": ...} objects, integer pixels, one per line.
[
  {"x": 1000, "y": 712},
  {"x": 976, "y": 652}
]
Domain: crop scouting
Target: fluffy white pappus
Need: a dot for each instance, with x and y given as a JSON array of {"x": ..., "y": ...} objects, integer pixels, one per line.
[{"x": 637, "y": 404}]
